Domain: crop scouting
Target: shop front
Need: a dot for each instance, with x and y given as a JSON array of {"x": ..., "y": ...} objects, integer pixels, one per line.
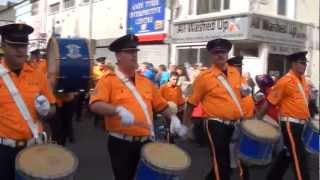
[{"x": 264, "y": 41}]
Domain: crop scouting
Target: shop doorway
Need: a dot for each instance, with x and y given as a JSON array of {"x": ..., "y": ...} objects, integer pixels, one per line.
[{"x": 278, "y": 65}]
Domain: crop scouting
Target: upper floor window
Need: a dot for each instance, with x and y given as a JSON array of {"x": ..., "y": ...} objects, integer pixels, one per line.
[
  {"x": 282, "y": 7},
  {"x": 34, "y": 8},
  {"x": 85, "y": 1},
  {"x": 209, "y": 6},
  {"x": 68, "y": 3},
  {"x": 53, "y": 8}
]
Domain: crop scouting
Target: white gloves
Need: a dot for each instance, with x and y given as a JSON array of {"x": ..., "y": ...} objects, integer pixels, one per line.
[
  {"x": 42, "y": 105},
  {"x": 245, "y": 90},
  {"x": 177, "y": 128},
  {"x": 126, "y": 116},
  {"x": 259, "y": 96}
]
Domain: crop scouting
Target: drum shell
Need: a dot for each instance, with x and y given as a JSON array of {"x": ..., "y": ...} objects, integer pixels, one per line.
[
  {"x": 310, "y": 138},
  {"x": 21, "y": 175},
  {"x": 146, "y": 171},
  {"x": 70, "y": 64},
  {"x": 255, "y": 150}
]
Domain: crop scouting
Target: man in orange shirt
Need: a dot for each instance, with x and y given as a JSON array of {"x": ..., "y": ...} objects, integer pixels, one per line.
[
  {"x": 247, "y": 102},
  {"x": 290, "y": 93},
  {"x": 222, "y": 111},
  {"x": 15, "y": 133},
  {"x": 172, "y": 92},
  {"x": 38, "y": 61},
  {"x": 127, "y": 118}
]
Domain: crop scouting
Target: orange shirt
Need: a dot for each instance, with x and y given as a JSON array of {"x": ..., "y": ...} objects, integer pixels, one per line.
[
  {"x": 110, "y": 89},
  {"x": 214, "y": 98},
  {"x": 30, "y": 83},
  {"x": 172, "y": 93},
  {"x": 285, "y": 94}
]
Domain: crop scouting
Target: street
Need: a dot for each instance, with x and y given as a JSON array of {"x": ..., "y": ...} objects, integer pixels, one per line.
[{"x": 91, "y": 148}]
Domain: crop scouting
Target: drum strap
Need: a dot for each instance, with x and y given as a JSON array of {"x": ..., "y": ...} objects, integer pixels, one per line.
[
  {"x": 302, "y": 92},
  {"x": 138, "y": 97},
  {"x": 231, "y": 92},
  {"x": 19, "y": 101}
]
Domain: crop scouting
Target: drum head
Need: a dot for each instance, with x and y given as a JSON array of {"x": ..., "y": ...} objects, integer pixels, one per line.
[
  {"x": 46, "y": 161},
  {"x": 173, "y": 107},
  {"x": 315, "y": 125},
  {"x": 167, "y": 157},
  {"x": 260, "y": 130}
]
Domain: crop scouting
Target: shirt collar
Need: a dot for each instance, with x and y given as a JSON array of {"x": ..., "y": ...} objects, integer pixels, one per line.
[
  {"x": 216, "y": 71},
  {"x": 25, "y": 68}
]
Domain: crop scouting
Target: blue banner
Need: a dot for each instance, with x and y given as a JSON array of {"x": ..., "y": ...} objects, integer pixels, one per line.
[{"x": 145, "y": 16}]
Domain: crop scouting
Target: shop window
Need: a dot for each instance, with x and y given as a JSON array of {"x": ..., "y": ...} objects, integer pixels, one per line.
[
  {"x": 209, "y": 6},
  {"x": 247, "y": 49},
  {"x": 204, "y": 57},
  {"x": 68, "y": 3},
  {"x": 187, "y": 55},
  {"x": 282, "y": 7},
  {"x": 54, "y": 8},
  {"x": 35, "y": 8}
]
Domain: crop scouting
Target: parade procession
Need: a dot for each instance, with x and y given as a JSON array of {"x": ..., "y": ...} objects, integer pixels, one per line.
[{"x": 159, "y": 90}]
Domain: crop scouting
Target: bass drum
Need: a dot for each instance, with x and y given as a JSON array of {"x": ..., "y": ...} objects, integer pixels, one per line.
[{"x": 69, "y": 64}]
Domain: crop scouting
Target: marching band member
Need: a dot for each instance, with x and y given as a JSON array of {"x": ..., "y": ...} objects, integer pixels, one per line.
[
  {"x": 126, "y": 98},
  {"x": 290, "y": 94},
  {"x": 21, "y": 111},
  {"x": 212, "y": 89}
]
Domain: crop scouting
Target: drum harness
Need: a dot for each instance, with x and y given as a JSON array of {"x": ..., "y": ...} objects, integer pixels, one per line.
[
  {"x": 295, "y": 120},
  {"x": 143, "y": 106},
  {"x": 38, "y": 138}
]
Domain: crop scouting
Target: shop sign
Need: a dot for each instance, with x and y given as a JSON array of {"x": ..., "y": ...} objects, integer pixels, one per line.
[
  {"x": 277, "y": 31},
  {"x": 145, "y": 16},
  {"x": 203, "y": 30}
]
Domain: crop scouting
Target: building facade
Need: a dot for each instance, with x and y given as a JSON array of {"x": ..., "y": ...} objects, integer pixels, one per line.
[{"x": 263, "y": 31}]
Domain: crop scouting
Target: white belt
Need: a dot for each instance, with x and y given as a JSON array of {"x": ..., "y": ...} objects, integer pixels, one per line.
[
  {"x": 131, "y": 138},
  {"x": 293, "y": 120},
  {"x": 227, "y": 122},
  {"x": 17, "y": 143}
]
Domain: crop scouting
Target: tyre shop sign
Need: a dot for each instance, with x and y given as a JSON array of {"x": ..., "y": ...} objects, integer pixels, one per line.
[{"x": 145, "y": 16}]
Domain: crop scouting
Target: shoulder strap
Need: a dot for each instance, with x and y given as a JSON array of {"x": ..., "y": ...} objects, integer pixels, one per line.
[
  {"x": 19, "y": 101},
  {"x": 302, "y": 92},
  {"x": 138, "y": 97},
  {"x": 231, "y": 92}
]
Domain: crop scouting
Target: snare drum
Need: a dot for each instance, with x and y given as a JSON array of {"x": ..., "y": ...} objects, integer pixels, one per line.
[
  {"x": 69, "y": 64},
  {"x": 310, "y": 137},
  {"x": 46, "y": 161},
  {"x": 162, "y": 161},
  {"x": 257, "y": 139}
]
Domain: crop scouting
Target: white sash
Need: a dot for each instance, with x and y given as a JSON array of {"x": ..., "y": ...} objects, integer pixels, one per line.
[
  {"x": 302, "y": 92},
  {"x": 231, "y": 92},
  {"x": 19, "y": 101},
  {"x": 138, "y": 97}
]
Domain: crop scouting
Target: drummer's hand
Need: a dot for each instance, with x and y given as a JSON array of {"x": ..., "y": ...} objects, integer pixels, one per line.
[
  {"x": 177, "y": 128},
  {"x": 126, "y": 116},
  {"x": 42, "y": 105}
]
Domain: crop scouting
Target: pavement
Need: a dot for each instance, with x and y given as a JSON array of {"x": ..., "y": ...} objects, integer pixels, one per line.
[{"x": 90, "y": 147}]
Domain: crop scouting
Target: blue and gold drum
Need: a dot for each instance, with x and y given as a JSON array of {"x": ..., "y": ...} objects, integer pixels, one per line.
[
  {"x": 161, "y": 161},
  {"x": 69, "y": 64}
]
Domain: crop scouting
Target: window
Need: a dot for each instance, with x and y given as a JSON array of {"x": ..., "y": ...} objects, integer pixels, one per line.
[
  {"x": 85, "y": 1},
  {"x": 282, "y": 4},
  {"x": 54, "y": 8},
  {"x": 209, "y": 6},
  {"x": 68, "y": 4},
  {"x": 34, "y": 8}
]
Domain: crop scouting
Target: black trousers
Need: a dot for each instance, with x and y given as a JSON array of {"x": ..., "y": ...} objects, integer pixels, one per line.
[
  {"x": 7, "y": 162},
  {"x": 124, "y": 157},
  {"x": 61, "y": 124},
  {"x": 294, "y": 152},
  {"x": 219, "y": 136}
]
